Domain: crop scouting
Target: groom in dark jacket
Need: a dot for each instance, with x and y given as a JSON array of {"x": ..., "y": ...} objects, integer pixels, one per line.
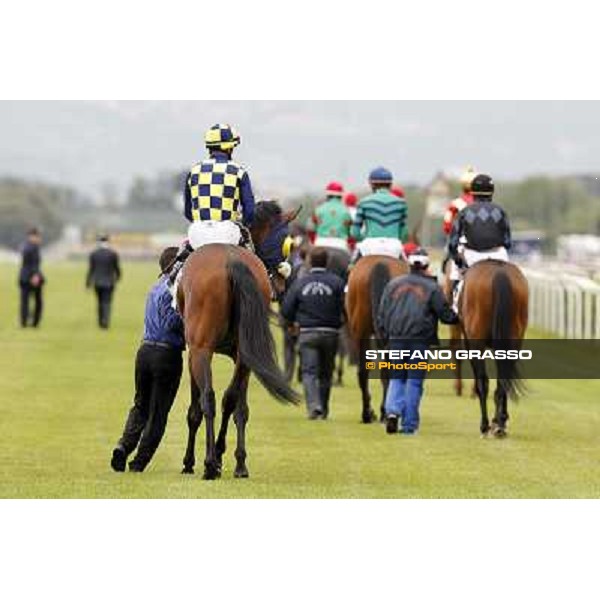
[{"x": 408, "y": 316}]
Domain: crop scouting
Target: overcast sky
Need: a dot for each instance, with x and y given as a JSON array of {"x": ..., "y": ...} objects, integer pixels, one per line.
[{"x": 290, "y": 147}]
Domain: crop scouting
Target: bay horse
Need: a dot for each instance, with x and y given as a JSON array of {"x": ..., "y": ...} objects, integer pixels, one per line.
[
  {"x": 366, "y": 283},
  {"x": 493, "y": 308},
  {"x": 224, "y": 297}
]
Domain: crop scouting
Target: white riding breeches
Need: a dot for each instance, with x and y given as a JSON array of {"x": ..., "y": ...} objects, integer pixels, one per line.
[
  {"x": 201, "y": 233},
  {"x": 454, "y": 274},
  {"x": 381, "y": 246},
  {"x": 332, "y": 242}
]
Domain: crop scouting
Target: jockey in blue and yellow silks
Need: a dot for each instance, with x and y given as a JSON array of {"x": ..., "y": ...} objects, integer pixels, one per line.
[
  {"x": 218, "y": 198},
  {"x": 217, "y": 188}
]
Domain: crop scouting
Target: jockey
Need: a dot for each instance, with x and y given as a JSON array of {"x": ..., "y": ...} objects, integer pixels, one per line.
[
  {"x": 331, "y": 219},
  {"x": 397, "y": 191},
  {"x": 481, "y": 230},
  {"x": 380, "y": 220},
  {"x": 219, "y": 201},
  {"x": 351, "y": 200},
  {"x": 459, "y": 203},
  {"x": 452, "y": 211}
]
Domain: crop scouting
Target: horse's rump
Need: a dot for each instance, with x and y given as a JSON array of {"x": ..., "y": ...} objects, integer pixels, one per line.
[
  {"x": 366, "y": 283},
  {"x": 494, "y": 301},
  {"x": 494, "y": 312},
  {"x": 225, "y": 299}
]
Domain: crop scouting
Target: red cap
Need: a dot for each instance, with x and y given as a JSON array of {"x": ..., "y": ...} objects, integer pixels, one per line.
[
  {"x": 350, "y": 199},
  {"x": 410, "y": 247},
  {"x": 397, "y": 191},
  {"x": 335, "y": 188}
]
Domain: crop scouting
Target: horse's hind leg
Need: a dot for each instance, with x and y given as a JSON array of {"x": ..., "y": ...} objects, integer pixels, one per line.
[
  {"x": 385, "y": 384},
  {"x": 368, "y": 414},
  {"x": 240, "y": 418},
  {"x": 501, "y": 414},
  {"x": 202, "y": 374},
  {"x": 455, "y": 338},
  {"x": 194, "y": 418},
  {"x": 229, "y": 403},
  {"x": 482, "y": 388}
]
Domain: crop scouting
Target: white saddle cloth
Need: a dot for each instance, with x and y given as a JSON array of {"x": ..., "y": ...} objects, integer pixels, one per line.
[
  {"x": 381, "y": 246},
  {"x": 332, "y": 242},
  {"x": 472, "y": 257},
  {"x": 201, "y": 233}
]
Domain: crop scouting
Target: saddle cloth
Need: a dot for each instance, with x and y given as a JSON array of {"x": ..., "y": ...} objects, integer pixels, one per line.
[
  {"x": 472, "y": 257},
  {"x": 332, "y": 242},
  {"x": 201, "y": 233},
  {"x": 381, "y": 246}
]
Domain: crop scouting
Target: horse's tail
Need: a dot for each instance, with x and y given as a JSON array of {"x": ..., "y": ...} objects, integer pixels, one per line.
[
  {"x": 509, "y": 376},
  {"x": 380, "y": 276},
  {"x": 254, "y": 338}
]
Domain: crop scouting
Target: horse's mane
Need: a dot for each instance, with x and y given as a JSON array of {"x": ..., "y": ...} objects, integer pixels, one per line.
[{"x": 266, "y": 212}]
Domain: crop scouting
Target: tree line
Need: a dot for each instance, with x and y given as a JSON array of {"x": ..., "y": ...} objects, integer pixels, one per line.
[{"x": 554, "y": 205}]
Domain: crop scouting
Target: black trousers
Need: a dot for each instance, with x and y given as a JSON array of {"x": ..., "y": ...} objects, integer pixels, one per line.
[
  {"x": 28, "y": 316},
  {"x": 104, "y": 295},
  {"x": 317, "y": 360},
  {"x": 157, "y": 375}
]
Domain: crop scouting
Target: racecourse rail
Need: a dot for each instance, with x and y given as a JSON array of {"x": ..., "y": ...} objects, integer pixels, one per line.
[{"x": 563, "y": 303}]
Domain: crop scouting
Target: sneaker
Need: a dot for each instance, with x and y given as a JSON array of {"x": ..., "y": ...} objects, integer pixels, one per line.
[
  {"x": 118, "y": 460},
  {"x": 391, "y": 424}
]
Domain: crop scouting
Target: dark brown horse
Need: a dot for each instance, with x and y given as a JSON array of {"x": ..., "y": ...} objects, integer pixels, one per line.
[
  {"x": 493, "y": 307},
  {"x": 224, "y": 297},
  {"x": 366, "y": 283}
]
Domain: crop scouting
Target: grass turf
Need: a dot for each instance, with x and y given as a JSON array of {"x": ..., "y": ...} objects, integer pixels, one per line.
[{"x": 65, "y": 390}]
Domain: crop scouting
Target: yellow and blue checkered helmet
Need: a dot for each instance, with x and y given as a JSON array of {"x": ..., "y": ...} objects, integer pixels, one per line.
[{"x": 222, "y": 137}]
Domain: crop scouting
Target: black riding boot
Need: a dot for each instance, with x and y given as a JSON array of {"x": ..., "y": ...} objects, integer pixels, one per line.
[{"x": 178, "y": 262}]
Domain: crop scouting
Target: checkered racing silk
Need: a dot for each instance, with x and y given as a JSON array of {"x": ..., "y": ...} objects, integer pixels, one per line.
[{"x": 215, "y": 190}]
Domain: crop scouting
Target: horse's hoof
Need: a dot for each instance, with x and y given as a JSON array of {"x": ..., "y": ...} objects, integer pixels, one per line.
[
  {"x": 241, "y": 473},
  {"x": 500, "y": 433},
  {"x": 369, "y": 417},
  {"x": 211, "y": 471},
  {"x": 187, "y": 471},
  {"x": 485, "y": 435}
]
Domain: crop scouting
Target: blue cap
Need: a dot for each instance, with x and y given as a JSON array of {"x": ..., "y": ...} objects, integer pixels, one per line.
[{"x": 380, "y": 175}]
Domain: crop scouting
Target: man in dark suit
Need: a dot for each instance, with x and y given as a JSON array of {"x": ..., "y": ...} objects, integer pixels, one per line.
[
  {"x": 31, "y": 279},
  {"x": 103, "y": 273}
]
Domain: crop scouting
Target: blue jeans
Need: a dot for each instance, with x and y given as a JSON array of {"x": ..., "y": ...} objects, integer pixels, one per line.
[{"x": 405, "y": 390}]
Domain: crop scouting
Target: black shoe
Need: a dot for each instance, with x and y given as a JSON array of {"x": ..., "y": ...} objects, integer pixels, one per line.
[
  {"x": 118, "y": 460},
  {"x": 135, "y": 467},
  {"x": 391, "y": 424}
]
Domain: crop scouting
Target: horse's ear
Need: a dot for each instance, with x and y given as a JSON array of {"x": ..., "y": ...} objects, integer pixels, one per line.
[{"x": 290, "y": 215}]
